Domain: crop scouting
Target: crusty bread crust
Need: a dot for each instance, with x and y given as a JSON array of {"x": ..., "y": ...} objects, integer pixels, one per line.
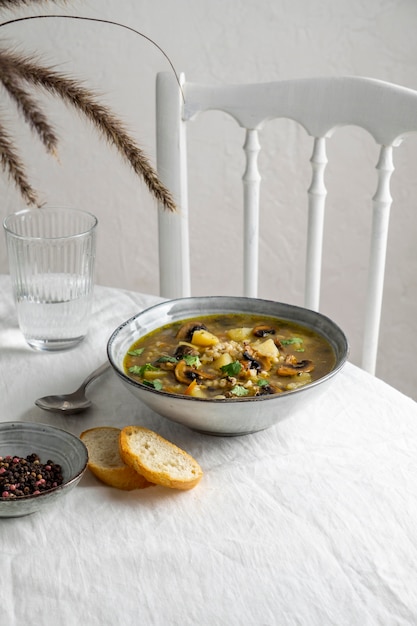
[
  {"x": 105, "y": 462},
  {"x": 157, "y": 459}
]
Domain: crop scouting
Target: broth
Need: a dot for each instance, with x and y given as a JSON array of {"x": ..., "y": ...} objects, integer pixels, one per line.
[{"x": 229, "y": 355}]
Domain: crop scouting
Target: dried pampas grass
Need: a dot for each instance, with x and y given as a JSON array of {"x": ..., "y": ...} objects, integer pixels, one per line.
[{"x": 19, "y": 73}]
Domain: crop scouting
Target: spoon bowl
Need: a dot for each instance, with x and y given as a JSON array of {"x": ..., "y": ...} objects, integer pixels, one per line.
[{"x": 74, "y": 402}]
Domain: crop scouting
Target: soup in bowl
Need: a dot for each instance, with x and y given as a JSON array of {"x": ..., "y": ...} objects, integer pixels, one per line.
[{"x": 227, "y": 365}]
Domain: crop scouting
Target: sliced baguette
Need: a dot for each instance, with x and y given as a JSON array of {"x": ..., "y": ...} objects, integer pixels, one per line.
[
  {"x": 159, "y": 460},
  {"x": 105, "y": 462}
]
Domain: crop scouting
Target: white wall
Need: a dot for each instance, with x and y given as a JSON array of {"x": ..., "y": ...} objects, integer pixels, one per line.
[{"x": 234, "y": 40}]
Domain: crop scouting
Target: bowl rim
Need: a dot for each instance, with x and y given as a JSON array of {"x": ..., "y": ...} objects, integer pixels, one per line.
[
  {"x": 137, "y": 385},
  {"x": 48, "y": 427}
]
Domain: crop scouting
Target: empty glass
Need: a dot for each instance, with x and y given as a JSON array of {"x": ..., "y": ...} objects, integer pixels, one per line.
[{"x": 51, "y": 254}]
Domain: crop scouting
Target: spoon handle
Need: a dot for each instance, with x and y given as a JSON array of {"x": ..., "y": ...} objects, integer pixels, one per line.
[{"x": 98, "y": 372}]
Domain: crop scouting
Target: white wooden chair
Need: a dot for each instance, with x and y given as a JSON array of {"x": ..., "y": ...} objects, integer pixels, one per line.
[{"x": 320, "y": 105}]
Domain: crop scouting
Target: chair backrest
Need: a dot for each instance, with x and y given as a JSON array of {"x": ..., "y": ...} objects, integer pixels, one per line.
[{"x": 320, "y": 105}]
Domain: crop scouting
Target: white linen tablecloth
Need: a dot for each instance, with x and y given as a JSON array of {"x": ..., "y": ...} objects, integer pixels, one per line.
[{"x": 311, "y": 522}]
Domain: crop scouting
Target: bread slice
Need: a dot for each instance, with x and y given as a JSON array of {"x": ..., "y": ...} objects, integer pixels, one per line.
[
  {"x": 105, "y": 462},
  {"x": 159, "y": 460}
]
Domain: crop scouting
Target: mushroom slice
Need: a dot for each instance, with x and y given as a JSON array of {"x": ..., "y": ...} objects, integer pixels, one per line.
[
  {"x": 186, "y": 374},
  {"x": 265, "y": 362},
  {"x": 250, "y": 362},
  {"x": 183, "y": 349},
  {"x": 292, "y": 369},
  {"x": 186, "y": 331},
  {"x": 262, "y": 330},
  {"x": 257, "y": 361},
  {"x": 267, "y": 390}
]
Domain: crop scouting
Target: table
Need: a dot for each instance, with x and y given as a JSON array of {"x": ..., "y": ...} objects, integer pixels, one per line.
[{"x": 311, "y": 522}]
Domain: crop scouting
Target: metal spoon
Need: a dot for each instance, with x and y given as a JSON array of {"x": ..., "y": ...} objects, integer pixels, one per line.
[{"x": 72, "y": 402}]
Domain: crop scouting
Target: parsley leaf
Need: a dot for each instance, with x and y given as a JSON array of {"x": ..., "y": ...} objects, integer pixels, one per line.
[
  {"x": 262, "y": 382},
  {"x": 166, "y": 359},
  {"x": 231, "y": 369},
  {"x": 192, "y": 360},
  {"x": 294, "y": 341},
  {"x": 291, "y": 341},
  {"x": 139, "y": 370},
  {"x": 238, "y": 390},
  {"x": 136, "y": 352},
  {"x": 156, "y": 384}
]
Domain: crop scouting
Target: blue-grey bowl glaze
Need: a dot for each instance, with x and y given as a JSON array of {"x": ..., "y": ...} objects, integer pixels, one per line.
[
  {"x": 231, "y": 416},
  {"x": 48, "y": 442}
]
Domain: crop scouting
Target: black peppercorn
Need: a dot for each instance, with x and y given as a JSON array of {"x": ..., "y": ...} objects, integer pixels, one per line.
[{"x": 20, "y": 477}]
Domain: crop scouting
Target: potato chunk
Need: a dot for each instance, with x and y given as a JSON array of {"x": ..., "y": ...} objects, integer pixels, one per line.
[
  {"x": 222, "y": 360},
  {"x": 266, "y": 348},
  {"x": 239, "y": 334},
  {"x": 202, "y": 337},
  {"x": 154, "y": 374},
  {"x": 195, "y": 390}
]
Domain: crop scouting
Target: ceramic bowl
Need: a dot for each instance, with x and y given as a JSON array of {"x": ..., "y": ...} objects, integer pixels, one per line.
[
  {"x": 227, "y": 417},
  {"x": 49, "y": 443}
]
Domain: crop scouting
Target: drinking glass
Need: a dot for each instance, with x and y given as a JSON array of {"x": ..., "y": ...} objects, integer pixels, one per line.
[{"x": 51, "y": 254}]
